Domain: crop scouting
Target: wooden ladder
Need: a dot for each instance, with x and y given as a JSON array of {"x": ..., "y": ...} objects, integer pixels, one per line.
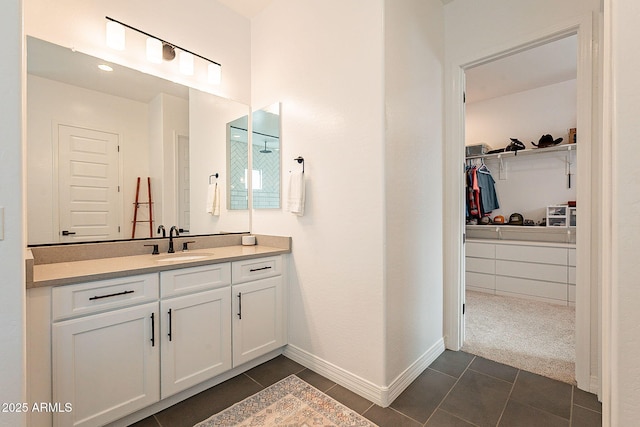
[{"x": 136, "y": 206}]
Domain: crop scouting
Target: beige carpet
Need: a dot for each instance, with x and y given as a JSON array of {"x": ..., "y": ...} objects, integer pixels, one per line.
[
  {"x": 290, "y": 402},
  {"x": 535, "y": 336}
]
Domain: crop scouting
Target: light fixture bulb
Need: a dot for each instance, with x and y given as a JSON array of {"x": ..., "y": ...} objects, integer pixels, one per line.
[
  {"x": 214, "y": 74},
  {"x": 154, "y": 50},
  {"x": 186, "y": 63},
  {"x": 105, "y": 67},
  {"x": 115, "y": 35}
]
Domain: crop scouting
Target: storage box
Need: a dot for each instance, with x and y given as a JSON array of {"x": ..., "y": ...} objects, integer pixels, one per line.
[
  {"x": 477, "y": 150},
  {"x": 561, "y": 216},
  {"x": 572, "y": 136}
]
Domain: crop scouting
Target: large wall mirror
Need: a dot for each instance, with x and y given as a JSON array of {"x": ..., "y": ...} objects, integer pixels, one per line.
[
  {"x": 266, "y": 158},
  {"x": 92, "y": 133}
]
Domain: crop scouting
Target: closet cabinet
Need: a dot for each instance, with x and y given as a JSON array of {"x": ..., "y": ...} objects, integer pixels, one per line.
[{"x": 535, "y": 270}]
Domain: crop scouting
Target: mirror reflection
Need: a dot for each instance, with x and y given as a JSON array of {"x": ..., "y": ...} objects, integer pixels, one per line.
[
  {"x": 266, "y": 159},
  {"x": 92, "y": 133},
  {"x": 238, "y": 164}
]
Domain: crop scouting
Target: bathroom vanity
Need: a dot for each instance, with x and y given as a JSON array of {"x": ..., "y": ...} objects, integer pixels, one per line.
[{"x": 112, "y": 336}]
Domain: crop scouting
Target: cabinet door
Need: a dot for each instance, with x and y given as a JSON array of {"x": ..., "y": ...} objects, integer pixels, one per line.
[
  {"x": 196, "y": 338},
  {"x": 258, "y": 325},
  {"x": 106, "y": 365}
]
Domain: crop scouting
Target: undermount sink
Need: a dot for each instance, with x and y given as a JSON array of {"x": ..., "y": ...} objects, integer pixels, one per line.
[{"x": 183, "y": 257}]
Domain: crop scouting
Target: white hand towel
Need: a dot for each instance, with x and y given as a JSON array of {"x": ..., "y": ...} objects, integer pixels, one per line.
[
  {"x": 213, "y": 199},
  {"x": 295, "y": 198}
]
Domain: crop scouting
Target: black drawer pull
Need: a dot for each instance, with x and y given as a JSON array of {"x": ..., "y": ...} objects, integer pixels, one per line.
[
  {"x": 261, "y": 268},
  {"x": 111, "y": 295},
  {"x": 153, "y": 330}
]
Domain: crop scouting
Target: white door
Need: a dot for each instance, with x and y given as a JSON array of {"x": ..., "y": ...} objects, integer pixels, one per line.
[
  {"x": 106, "y": 365},
  {"x": 258, "y": 324},
  {"x": 183, "y": 183},
  {"x": 196, "y": 339},
  {"x": 88, "y": 175}
]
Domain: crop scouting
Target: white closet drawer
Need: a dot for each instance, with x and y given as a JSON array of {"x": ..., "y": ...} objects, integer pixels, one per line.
[
  {"x": 188, "y": 280},
  {"x": 572, "y": 257},
  {"x": 537, "y": 254},
  {"x": 480, "y": 265},
  {"x": 93, "y": 297},
  {"x": 549, "y": 273},
  {"x": 479, "y": 280},
  {"x": 572, "y": 293},
  {"x": 532, "y": 287},
  {"x": 254, "y": 269},
  {"x": 572, "y": 275},
  {"x": 480, "y": 250}
]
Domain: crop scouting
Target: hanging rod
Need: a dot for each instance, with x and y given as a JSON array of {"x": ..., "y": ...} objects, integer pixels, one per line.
[{"x": 215, "y": 175}]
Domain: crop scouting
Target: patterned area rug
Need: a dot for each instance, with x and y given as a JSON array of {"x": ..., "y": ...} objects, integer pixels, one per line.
[{"x": 290, "y": 402}]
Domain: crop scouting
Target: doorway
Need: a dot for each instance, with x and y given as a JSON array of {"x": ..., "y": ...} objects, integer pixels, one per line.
[
  {"x": 454, "y": 226},
  {"x": 519, "y": 295}
]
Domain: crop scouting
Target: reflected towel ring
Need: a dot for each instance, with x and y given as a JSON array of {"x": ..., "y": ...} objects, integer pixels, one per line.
[
  {"x": 300, "y": 159},
  {"x": 215, "y": 175}
]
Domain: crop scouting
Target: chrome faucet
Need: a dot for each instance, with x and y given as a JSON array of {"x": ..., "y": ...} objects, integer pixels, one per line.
[
  {"x": 173, "y": 228},
  {"x": 161, "y": 228}
]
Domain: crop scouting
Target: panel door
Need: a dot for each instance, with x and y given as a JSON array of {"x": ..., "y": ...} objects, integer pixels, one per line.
[
  {"x": 196, "y": 338},
  {"x": 88, "y": 175},
  {"x": 258, "y": 325},
  {"x": 106, "y": 365}
]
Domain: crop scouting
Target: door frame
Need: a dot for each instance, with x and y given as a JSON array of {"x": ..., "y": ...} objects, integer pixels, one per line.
[{"x": 454, "y": 222}]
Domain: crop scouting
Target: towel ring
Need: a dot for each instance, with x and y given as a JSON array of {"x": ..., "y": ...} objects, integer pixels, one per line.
[
  {"x": 300, "y": 159},
  {"x": 215, "y": 175}
]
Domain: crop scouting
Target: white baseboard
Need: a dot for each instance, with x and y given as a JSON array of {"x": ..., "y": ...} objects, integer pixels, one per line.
[{"x": 380, "y": 395}]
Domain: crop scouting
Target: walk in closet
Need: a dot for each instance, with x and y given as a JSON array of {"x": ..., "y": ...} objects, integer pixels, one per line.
[{"x": 520, "y": 174}]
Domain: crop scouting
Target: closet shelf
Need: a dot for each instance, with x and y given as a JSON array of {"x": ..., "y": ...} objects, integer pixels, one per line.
[{"x": 528, "y": 151}]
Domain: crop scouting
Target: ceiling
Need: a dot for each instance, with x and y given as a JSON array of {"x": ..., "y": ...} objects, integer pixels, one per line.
[{"x": 544, "y": 65}]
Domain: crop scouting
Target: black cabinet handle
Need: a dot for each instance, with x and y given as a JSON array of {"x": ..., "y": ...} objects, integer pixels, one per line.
[
  {"x": 169, "y": 334},
  {"x": 239, "y": 305},
  {"x": 111, "y": 295},
  {"x": 67, "y": 232},
  {"x": 258, "y": 269},
  {"x": 153, "y": 330}
]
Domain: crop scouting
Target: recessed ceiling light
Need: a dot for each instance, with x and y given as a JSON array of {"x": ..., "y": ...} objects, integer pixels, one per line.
[{"x": 105, "y": 67}]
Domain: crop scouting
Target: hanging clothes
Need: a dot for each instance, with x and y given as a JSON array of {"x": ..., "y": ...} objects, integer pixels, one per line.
[{"x": 488, "y": 195}]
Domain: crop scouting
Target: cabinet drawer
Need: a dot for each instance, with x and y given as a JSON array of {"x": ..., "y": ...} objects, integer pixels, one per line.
[
  {"x": 572, "y": 257},
  {"x": 525, "y": 270},
  {"x": 480, "y": 265},
  {"x": 572, "y": 275},
  {"x": 254, "y": 269},
  {"x": 538, "y": 254},
  {"x": 86, "y": 298},
  {"x": 193, "y": 279},
  {"x": 572, "y": 293},
  {"x": 530, "y": 287},
  {"x": 479, "y": 280},
  {"x": 480, "y": 250}
]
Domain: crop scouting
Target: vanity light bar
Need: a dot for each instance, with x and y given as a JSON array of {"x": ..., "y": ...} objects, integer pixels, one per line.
[{"x": 116, "y": 40}]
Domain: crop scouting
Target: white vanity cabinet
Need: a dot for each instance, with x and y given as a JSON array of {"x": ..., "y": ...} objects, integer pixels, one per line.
[
  {"x": 105, "y": 364},
  {"x": 196, "y": 327},
  {"x": 258, "y": 308}
]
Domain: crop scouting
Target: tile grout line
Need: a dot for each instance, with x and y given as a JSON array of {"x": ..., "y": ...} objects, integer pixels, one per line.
[
  {"x": 504, "y": 408},
  {"x": 451, "y": 389},
  {"x": 254, "y": 380},
  {"x": 573, "y": 393}
]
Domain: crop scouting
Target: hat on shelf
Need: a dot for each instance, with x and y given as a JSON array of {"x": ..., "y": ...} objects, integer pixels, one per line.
[{"x": 546, "y": 141}]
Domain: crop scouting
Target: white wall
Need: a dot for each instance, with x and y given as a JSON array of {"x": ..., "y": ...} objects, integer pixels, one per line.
[
  {"x": 208, "y": 118},
  {"x": 12, "y": 290},
  {"x": 414, "y": 54},
  {"x": 203, "y": 26},
  {"x": 323, "y": 61},
  {"x": 50, "y": 103},
  {"x": 525, "y": 115},
  {"x": 624, "y": 60}
]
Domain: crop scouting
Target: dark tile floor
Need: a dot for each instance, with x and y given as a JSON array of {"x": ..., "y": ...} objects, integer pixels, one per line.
[{"x": 457, "y": 390}]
